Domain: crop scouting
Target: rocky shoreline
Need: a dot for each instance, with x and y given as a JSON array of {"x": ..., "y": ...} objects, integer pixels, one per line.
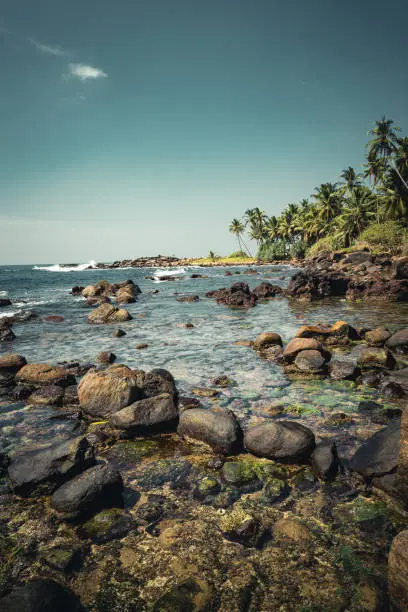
[{"x": 155, "y": 501}]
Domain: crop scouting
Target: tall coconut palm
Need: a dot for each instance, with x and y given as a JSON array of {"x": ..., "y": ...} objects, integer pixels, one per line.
[
  {"x": 383, "y": 143},
  {"x": 237, "y": 228},
  {"x": 356, "y": 214},
  {"x": 255, "y": 219},
  {"x": 350, "y": 178},
  {"x": 272, "y": 228},
  {"x": 328, "y": 201}
]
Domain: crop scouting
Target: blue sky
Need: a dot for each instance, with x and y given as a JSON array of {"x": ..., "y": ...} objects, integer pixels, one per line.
[{"x": 140, "y": 127}]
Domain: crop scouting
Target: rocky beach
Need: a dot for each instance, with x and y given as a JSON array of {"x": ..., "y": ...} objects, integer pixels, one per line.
[{"x": 205, "y": 438}]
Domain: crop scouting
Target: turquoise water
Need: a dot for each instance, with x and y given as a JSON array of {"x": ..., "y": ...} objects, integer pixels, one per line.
[{"x": 193, "y": 356}]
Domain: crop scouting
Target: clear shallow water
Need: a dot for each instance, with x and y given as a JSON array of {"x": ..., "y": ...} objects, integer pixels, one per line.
[{"x": 194, "y": 356}]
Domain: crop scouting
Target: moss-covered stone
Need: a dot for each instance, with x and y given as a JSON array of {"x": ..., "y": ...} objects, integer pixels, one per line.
[{"x": 107, "y": 525}]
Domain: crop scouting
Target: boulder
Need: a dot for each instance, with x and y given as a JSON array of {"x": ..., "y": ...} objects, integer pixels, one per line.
[
  {"x": 119, "y": 333},
  {"x": 267, "y": 339},
  {"x": 41, "y": 596},
  {"x": 106, "y": 313},
  {"x": 106, "y": 357},
  {"x": 281, "y": 440},
  {"x": 96, "y": 488},
  {"x": 324, "y": 460},
  {"x": 343, "y": 369},
  {"x": 297, "y": 345},
  {"x": 310, "y": 361},
  {"x": 379, "y": 454},
  {"x": 312, "y": 331},
  {"x": 217, "y": 427},
  {"x": 188, "y": 298},
  {"x": 6, "y": 333},
  {"x": 376, "y": 357},
  {"x": 266, "y": 290},
  {"x": 5, "y": 302},
  {"x": 310, "y": 285},
  {"x": 146, "y": 413},
  {"x": 378, "y": 336},
  {"x": 237, "y": 296},
  {"x": 91, "y": 291},
  {"x": 39, "y": 374},
  {"x": 156, "y": 382},
  {"x": 103, "y": 393},
  {"x": 399, "y": 341},
  {"x": 400, "y": 268},
  {"x": 398, "y": 572},
  {"x": 11, "y": 362},
  {"x": 357, "y": 258},
  {"x": 42, "y": 471},
  {"x": 344, "y": 330}
]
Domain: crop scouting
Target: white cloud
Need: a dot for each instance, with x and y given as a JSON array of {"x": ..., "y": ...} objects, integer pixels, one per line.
[
  {"x": 84, "y": 72},
  {"x": 57, "y": 51}
]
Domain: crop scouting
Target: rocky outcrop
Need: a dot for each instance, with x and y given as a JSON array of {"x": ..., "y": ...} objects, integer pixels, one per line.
[
  {"x": 123, "y": 293},
  {"x": 280, "y": 440},
  {"x": 104, "y": 392},
  {"x": 379, "y": 455},
  {"x": 149, "y": 413},
  {"x": 218, "y": 428},
  {"x": 41, "y": 472},
  {"x": 237, "y": 296},
  {"x": 96, "y": 488},
  {"x": 106, "y": 313},
  {"x": 266, "y": 290},
  {"x": 39, "y": 374}
]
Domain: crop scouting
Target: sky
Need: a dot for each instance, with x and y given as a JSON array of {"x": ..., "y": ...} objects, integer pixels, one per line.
[{"x": 141, "y": 127}]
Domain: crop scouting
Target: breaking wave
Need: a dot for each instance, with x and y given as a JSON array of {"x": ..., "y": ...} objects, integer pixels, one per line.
[{"x": 91, "y": 265}]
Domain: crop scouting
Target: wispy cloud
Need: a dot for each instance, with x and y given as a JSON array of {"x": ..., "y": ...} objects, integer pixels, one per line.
[
  {"x": 85, "y": 72},
  {"x": 51, "y": 50}
]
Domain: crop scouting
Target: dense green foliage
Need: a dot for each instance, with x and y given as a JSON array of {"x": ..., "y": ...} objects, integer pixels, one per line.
[
  {"x": 369, "y": 208},
  {"x": 238, "y": 255}
]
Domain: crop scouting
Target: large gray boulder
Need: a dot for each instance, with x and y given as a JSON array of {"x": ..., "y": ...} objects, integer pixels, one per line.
[
  {"x": 399, "y": 341},
  {"x": 281, "y": 440},
  {"x": 218, "y": 428},
  {"x": 101, "y": 393},
  {"x": 41, "y": 472},
  {"x": 150, "y": 412},
  {"x": 310, "y": 362},
  {"x": 379, "y": 454},
  {"x": 96, "y": 488}
]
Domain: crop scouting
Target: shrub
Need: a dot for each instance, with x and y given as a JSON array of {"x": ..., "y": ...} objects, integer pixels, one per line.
[
  {"x": 277, "y": 250},
  {"x": 328, "y": 243},
  {"x": 297, "y": 250},
  {"x": 239, "y": 255},
  {"x": 386, "y": 236}
]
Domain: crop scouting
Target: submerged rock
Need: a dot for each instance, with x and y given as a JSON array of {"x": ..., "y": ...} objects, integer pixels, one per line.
[
  {"x": 146, "y": 413},
  {"x": 44, "y": 374},
  {"x": 98, "y": 487},
  {"x": 103, "y": 393},
  {"x": 343, "y": 369},
  {"x": 267, "y": 290},
  {"x": 376, "y": 357},
  {"x": 51, "y": 395},
  {"x": 218, "y": 428},
  {"x": 267, "y": 339},
  {"x": 282, "y": 440},
  {"x": 41, "y": 595},
  {"x": 42, "y": 471}
]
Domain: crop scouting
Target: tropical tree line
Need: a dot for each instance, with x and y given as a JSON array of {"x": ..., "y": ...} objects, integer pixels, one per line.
[{"x": 338, "y": 213}]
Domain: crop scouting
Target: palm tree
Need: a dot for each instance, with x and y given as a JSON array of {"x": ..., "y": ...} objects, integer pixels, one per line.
[
  {"x": 272, "y": 228},
  {"x": 383, "y": 143},
  {"x": 356, "y": 214},
  {"x": 256, "y": 219},
  {"x": 237, "y": 228},
  {"x": 328, "y": 200},
  {"x": 350, "y": 178}
]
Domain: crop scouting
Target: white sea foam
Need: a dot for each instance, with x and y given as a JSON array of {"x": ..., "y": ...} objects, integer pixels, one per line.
[
  {"x": 58, "y": 268},
  {"x": 166, "y": 273}
]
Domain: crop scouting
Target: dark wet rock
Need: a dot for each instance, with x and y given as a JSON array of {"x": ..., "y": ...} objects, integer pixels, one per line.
[
  {"x": 343, "y": 369},
  {"x": 98, "y": 487},
  {"x": 401, "y": 378},
  {"x": 267, "y": 290},
  {"x": 71, "y": 396},
  {"x": 63, "y": 558},
  {"x": 77, "y": 290},
  {"x": 244, "y": 530},
  {"x": 237, "y": 296},
  {"x": 379, "y": 454},
  {"x": 5, "y": 302},
  {"x": 41, "y": 596},
  {"x": 119, "y": 333},
  {"x": 218, "y": 428},
  {"x": 267, "y": 339},
  {"x": 188, "y": 298},
  {"x": 42, "y": 471},
  {"x": 342, "y": 329},
  {"x": 6, "y": 333},
  {"x": 156, "y": 382},
  {"x": 6, "y": 379},
  {"x": 338, "y": 419},
  {"x": 152, "y": 509},
  {"x": 375, "y": 289},
  {"x": 155, "y": 411},
  {"x": 377, "y": 337},
  {"x": 97, "y": 301},
  {"x": 391, "y": 389},
  {"x": 297, "y": 345},
  {"x": 207, "y": 487},
  {"x": 310, "y": 285},
  {"x": 310, "y": 361},
  {"x": 157, "y": 473},
  {"x": 185, "y": 403},
  {"x": 39, "y": 374},
  {"x": 398, "y": 572},
  {"x": 324, "y": 460},
  {"x": 282, "y": 440},
  {"x": 106, "y": 313},
  {"x": 376, "y": 357},
  {"x": 106, "y": 357},
  {"x": 372, "y": 378},
  {"x": 400, "y": 268},
  {"x": 358, "y": 257},
  {"x": 399, "y": 341},
  {"x": 11, "y": 362},
  {"x": 274, "y": 491},
  {"x": 368, "y": 406},
  {"x": 105, "y": 392},
  {"x": 221, "y": 381},
  {"x": 50, "y": 395}
]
